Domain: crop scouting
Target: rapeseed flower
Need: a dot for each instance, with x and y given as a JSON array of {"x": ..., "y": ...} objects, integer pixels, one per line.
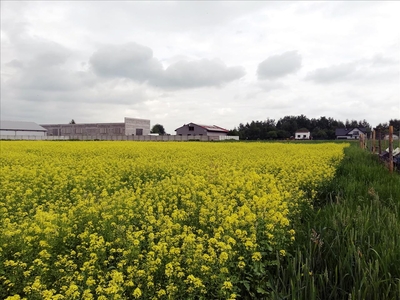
[{"x": 96, "y": 220}]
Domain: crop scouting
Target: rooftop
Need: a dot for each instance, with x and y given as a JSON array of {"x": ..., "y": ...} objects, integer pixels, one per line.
[
  {"x": 212, "y": 127},
  {"x": 21, "y": 125}
]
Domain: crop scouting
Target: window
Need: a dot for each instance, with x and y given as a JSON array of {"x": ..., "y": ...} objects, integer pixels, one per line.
[
  {"x": 298, "y": 135},
  {"x": 78, "y": 130},
  {"x": 139, "y": 131},
  {"x": 355, "y": 132},
  {"x": 191, "y": 128},
  {"x": 304, "y": 136}
]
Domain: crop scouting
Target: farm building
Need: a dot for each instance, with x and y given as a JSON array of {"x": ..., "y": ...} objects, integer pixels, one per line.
[
  {"x": 302, "y": 134},
  {"x": 19, "y": 128},
  {"x": 197, "y": 129},
  {"x": 349, "y": 133},
  {"x": 130, "y": 126}
]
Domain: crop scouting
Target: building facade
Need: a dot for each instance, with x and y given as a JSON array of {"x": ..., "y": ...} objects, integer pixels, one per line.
[
  {"x": 19, "y": 128},
  {"x": 201, "y": 130},
  {"x": 130, "y": 126},
  {"x": 349, "y": 133},
  {"x": 302, "y": 134}
]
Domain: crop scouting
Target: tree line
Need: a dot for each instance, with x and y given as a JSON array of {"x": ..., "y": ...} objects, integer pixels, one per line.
[
  {"x": 321, "y": 128},
  {"x": 384, "y": 127}
]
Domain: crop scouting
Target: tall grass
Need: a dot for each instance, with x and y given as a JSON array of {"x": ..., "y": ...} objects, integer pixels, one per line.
[{"x": 349, "y": 244}]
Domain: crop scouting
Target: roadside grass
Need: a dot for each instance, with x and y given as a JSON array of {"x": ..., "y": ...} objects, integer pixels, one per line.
[{"x": 348, "y": 245}]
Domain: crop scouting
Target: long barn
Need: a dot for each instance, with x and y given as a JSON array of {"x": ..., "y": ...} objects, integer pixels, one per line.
[
  {"x": 18, "y": 128},
  {"x": 130, "y": 126}
]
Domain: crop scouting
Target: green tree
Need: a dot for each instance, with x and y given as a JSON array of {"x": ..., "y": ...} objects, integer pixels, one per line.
[
  {"x": 72, "y": 122},
  {"x": 158, "y": 128},
  {"x": 272, "y": 135},
  {"x": 233, "y": 132}
]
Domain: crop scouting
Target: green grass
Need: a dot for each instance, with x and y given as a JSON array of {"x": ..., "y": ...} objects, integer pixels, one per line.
[{"x": 348, "y": 246}]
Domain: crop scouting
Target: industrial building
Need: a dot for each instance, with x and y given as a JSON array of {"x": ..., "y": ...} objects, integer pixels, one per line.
[
  {"x": 20, "y": 128},
  {"x": 130, "y": 127}
]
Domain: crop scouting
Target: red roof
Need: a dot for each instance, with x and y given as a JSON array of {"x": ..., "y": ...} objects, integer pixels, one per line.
[{"x": 212, "y": 128}]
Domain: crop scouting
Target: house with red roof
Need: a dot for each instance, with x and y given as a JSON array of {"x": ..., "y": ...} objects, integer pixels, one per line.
[{"x": 202, "y": 130}]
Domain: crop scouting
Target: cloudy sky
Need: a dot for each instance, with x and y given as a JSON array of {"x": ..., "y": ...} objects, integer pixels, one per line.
[{"x": 221, "y": 63}]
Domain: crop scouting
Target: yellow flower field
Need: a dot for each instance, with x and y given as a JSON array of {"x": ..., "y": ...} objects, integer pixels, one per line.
[{"x": 150, "y": 220}]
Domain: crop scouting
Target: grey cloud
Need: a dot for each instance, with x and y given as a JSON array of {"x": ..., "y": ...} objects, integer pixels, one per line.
[
  {"x": 380, "y": 60},
  {"x": 281, "y": 65},
  {"x": 332, "y": 74},
  {"x": 363, "y": 71},
  {"x": 43, "y": 74},
  {"x": 22, "y": 43},
  {"x": 15, "y": 63},
  {"x": 136, "y": 62},
  {"x": 268, "y": 86},
  {"x": 167, "y": 16},
  {"x": 199, "y": 73},
  {"x": 130, "y": 60}
]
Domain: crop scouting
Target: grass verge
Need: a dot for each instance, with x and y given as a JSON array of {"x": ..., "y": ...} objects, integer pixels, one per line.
[{"x": 348, "y": 246}]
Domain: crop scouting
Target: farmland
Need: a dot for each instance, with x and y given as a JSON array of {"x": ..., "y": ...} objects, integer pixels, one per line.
[{"x": 114, "y": 220}]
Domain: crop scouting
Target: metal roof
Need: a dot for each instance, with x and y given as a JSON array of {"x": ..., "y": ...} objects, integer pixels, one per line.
[
  {"x": 345, "y": 131},
  {"x": 20, "y": 126},
  {"x": 212, "y": 127}
]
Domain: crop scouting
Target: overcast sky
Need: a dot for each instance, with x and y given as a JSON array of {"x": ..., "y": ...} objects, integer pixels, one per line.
[{"x": 217, "y": 63}]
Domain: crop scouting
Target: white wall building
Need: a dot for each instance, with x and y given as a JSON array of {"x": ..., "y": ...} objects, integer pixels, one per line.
[{"x": 302, "y": 134}]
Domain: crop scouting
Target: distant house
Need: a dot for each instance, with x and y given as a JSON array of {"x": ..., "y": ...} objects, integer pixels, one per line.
[
  {"x": 197, "y": 129},
  {"x": 302, "y": 134},
  {"x": 349, "y": 133},
  {"x": 18, "y": 128}
]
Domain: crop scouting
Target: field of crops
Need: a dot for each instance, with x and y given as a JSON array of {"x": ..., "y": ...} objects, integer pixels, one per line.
[{"x": 151, "y": 220}]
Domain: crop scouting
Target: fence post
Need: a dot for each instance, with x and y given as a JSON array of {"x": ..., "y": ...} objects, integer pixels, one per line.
[
  {"x": 391, "y": 149},
  {"x": 365, "y": 140},
  {"x": 379, "y": 142},
  {"x": 373, "y": 141}
]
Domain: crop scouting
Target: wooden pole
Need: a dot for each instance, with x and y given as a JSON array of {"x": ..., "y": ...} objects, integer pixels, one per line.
[
  {"x": 379, "y": 142},
  {"x": 366, "y": 141},
  {"x": 360, "y": 138},
  {"x": 373, "y": 142},
  {"x": 391, "y": 149}
]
